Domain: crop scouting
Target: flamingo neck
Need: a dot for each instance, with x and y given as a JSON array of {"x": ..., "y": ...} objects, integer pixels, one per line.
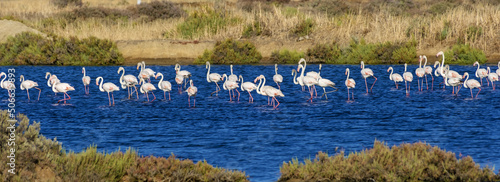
[
  {"x": 22, "y": 79},
  {"x": 477, "y": 69},
  {"x": 405, "y": 67},
  {"x": 231, "y": 69},
  {"x": 263, "y": 83},
  {"x": 420, "y": 63},
  {"x": 208, "y": 72},
  {"x": 100, "y": 84},
  {"x": 161, "y": 80},
  {"x": 121, "y": 78},
  {"x": 362, "y": 65},
  {"x": 425, "y": 63},
  {"x": 1, "y": 83},
  {"x": 241, "y": 80},
  {"x": 442, "y": 63},
  {"x": 348, "y": 73},
  {"x": 48, "y": 81},
  {"x": 294, "y": 73},
  {"x": 489, "y": 70},
  {"x": 276, "y": 69},
  {"x": 465, "y": 82},
  {"x": 390, "y": 76}
]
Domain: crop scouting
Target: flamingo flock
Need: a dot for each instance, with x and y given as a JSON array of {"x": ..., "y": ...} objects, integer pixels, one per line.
[{"x": 232, "y": 82}]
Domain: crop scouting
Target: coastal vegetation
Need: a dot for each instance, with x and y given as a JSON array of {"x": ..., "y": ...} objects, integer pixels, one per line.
[{"x": 40, "y": 159}]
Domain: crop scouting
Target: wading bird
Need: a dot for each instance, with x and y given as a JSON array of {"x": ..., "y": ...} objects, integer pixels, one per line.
[
  {"x": 308, "y": 81},
  {"x": 8, "y": 85},
  {"x": 493, "y": 77},
  {"x": 277, "y": 78},
  {"x": 128, "y": 81},
  {"x": 471, "y": 84},
  {"x": 86, "y": 81},
  {"x": 230, "y": 85},
  {"x": 62, "y": 88},
  {"x": 192, "y": 91},
  {"x": 107, "y": 87},
  {"x": 213, "y": 77},
  {"x": 420, "y": 72},
  {"x": 481, "y": 73},
  {"x": 268, "y": 91},
  {"x": 249, "y": 87},
  {"x": 349, "y": 83},
  {"x": 185, "y": 74},
  {"x": 396, "y": 77},
  {"x": 408, "y": 77},
  {"x": 367, "y": 72},
  {"x": 428, "y": 71},
  {"x": 28, "y": 84},
  {"x": 146, "y": 88},
  {"x": 166, "y": 86}
]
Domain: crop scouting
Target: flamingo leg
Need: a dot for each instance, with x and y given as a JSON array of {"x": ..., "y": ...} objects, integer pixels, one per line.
[
  {"x": 366, "y": 85},
  {"x": 396, "y": 83},
  {"x": 481, "y": 81},
  {"x": 230, "y": 98},
  {"x": 315, "y": 92},
  {"x": 426, "y": 82},
  {"x": 194, "y": 102},
  {"x": 147, "y": 96},
  {"x": 324, "y": 93},
  {"x": 348, "y": 96},
  {"x": 217, "y": 89},
  {"x": 164, "y": 95},
  {"x": 371, "y": 88},
  {"x": 39, "y": 92},
  {"x": 113, "y": 97},
  {"x": 189, "y": 101},
  {"x": 432, "y": 85},
  {"x": 352, "y": 93},
  {"x": 493, "y": 85},
  {"x": 471, "y": 93},
  {"x": 277, "y": 102},
  {"x": 168, "y": 95},
  {"x": 153, "y": 96},
  {"x": 478, "y": 92},
  {"x": 136, "y": 93},
  {"x": 250, "y": 98},
  {"x": 28, "y": 94},
  {"x": 109, "y": 99},
  {"x": 128, "y": 92},
  {"x": 278, "y": 85},
  {"x": 418, "y": 81}
]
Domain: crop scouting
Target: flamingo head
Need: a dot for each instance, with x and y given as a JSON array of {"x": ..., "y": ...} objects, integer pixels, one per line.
[
  {"x": 465, "y": 74},
  {"x": 207, "y": 64},
  {"x": 475, "y": 63},
  {"x": 302, "y": 60},
  {"x": 83, "y": 69},
  {"x": 439, "y": 53},
  {"x": 362, "y": 65},
  {"x": 2, "y": 74},
  {"x": 138, "y": 65},
  {"x": 346, "y": 71},
  {"x": 120, "y": 69},
  {"x": 436, "y": 63},
  {"x": 258, "y": 78},
  {"x": 156, "y": 76},
  {"x": 390, "y": 68}
]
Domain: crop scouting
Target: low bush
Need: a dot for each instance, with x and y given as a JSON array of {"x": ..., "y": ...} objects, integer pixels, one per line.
[
  {"x": 33, "y": 49},
  {"x": 286, "y": 57},
  {"x": 205, "y": 20},
  {"x": 464, "y": 54},
  {"x": 407, "y": 162},
  {"x": 324, "y": 53},
  {"x": 160, "y": 10},
  {"x": 64, "y": 3},
  {"x": 231, "y": 52},
  {"x": 41, "y": 159},
  {"x": 305, "y": 27}
]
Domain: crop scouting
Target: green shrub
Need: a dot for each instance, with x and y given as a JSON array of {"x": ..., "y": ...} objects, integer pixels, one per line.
[
  {"x": 305, "y": 27},
  {"x": 404, "y": 53},
  {"x": 286, "y": 57},
  {"x": 473, "y": 32},
  {"x": 407, "y": 162},
  {"x": 85, "y": 12},
  {"x": 208, "y": 20},
  {"x": 32, "y": 49},
  {"x": 325, "y": 53},
  {"x": 231, "y": 52},
  {"x": 41, "y": 159},
  {"x": 464, "y": 54}
]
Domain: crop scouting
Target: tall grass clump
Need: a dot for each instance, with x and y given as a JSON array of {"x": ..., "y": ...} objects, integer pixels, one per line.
[
  {"x": 406, "y": 162},
  {"x": 205, "y": 20},
  {"x": 231, "y": 52},
  {"x": 464, "y": 54},
  {"x": 41, "y": 159},
  {"x": 286, "y": 56}
]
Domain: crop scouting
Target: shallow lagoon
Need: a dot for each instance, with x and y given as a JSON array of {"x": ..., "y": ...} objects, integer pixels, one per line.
[{"x": 253, "y": 137}]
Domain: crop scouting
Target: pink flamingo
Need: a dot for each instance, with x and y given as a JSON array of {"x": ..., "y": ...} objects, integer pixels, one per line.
[
  {"x": 428, "y": 71},
  {"x": 454, "y": 82},
  {"x": 492, "y": 77},
  {"x": 86, "y": 81},
  {"x": 213, "y": 77},
  {"x": 62, "y": 88},
  {"x": 192, "y": 91},
  {"x": 185, "y": 74},
  {"x": 471, "y": 84},
  {"x": 249, "y": 87},
  {"x": 166, "y": 86},
  {"x": 309, "y": 81},
  {"x": 349, "y": 83},
  {"x": 420, "y": 72},
  {"x": 107, "y": 87},
  {"x": 8, "y": 85},
  {"x": 128, "y": 81},
  {"x": 395, "y": 77},
  {"x": 28, "y": 84},
  {"x": 230, "y": 85},
  {"x": 367, "y": 72},
  {"x": 277, "y": 78},
  {"x": 408, "y": 78},
  {"x": 481, "y": 73},
  {"x": 268, "y": 90},
  {"x": 146, "y": 88}
]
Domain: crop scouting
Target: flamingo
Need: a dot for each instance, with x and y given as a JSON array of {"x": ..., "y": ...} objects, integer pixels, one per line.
[
  {"x": 230, "y": 85},
  {"x": 277, "y": 78},
  {"x": 367, "y": 72},
  {"x": 309, "y": 81},
  {"x": 192, "y": 91},
  {"x": 86, "y": 81},
  {"x": 268, "y": 90},
  {"x": 471, "y": 84},
  {"x": 143, "y": 74},
  {"x": 150, "y": 72},
  {"x": 454, "y": 82},
  {"x": 185, "y": 74},
  {"x": 213, "y": 77},
  {"x": 62, "y": 88},
  {"x": 323, "y": 82},
  {"x": 166, "y": 86},
  {"x": 451, "y": 73},
  {"x": 492, "y": 77},
  {"x": 107, "y": 87},
  {"x": 420, "y": 72},
  {"x": 128, "y": 81},
  {"x": 428, "y": 71},
  {"x": 8, "y": 85},
  {"x": 249, "y": 87},
  {"x": 349, "y": 83},
  {"x": 436, "y": 71},
  {"x": 310, "y": 73},
  {"x": 51, "y": 81},
  {"x": 297, "y": 81},
  {"x": 481, "y": 73},
  {"x": 396, "y": 77},
  {"x": 179, "y": 79},
  {"x": 408, "y": 77},
  {"x": 28, "y": 84},
  {"x": 233, "y": 78},
  {"x": 146, "y": 88}
]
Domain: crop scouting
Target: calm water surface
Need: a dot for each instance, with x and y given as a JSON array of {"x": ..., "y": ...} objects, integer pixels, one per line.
[{"x": 253, "y": 137}]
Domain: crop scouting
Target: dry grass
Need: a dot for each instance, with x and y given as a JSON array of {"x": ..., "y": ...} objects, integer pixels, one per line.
[{"x": 380, "y": 26}]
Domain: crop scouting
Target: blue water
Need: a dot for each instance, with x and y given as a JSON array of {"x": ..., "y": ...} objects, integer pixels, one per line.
[{"x": 254, "y": 137}]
